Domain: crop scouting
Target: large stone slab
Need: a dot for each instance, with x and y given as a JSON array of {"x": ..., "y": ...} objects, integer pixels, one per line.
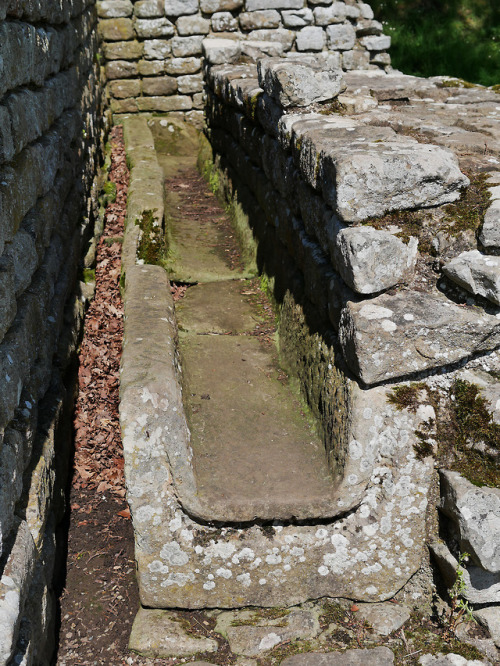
[
  {"x": 490, "y": 231},
  {"x": 400, "y": 335},
  {"x": 366, "y": 171},
  {"x": 477, "y": 273},
  {"x": 298, "y": 84},
  {"x": 380, "y": 656},
  {"x": 475, "y": 513}
]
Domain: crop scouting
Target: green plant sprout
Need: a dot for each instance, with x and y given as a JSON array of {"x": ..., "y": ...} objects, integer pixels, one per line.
[{"x": 460, "y": 611}]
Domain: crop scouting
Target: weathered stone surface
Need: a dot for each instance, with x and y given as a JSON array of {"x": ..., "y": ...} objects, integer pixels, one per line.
[
  {"x": 159, "y": 634},
  {"x": 490, "y": 231},
  {"x": 481, "y": 587},
  {"x": 181, "y": 7},
  {"x": 252, "y": 5},
  {"x": 120, "y": 69},
  {"x": 114, "y": 30},
  {"x": 340, "y": 37},
  {"x": 370, "y": 260},
  {"x": 221, "y": 51},
  {"x": 490, "y": 618},
  {"x": 355, "y": 60},
  {"x": 281, "y": 35},
  {"x": 477, "y": 273},
  {"x": 114, "y": 8},
  {"x": 123, "y": 50},
  {"x": 190, "y": 83},
  {"x": 224, "y": 22},
  {"x": 150, "y": 67},
  {"x": 397, "y": 336},
  {"x": 160, "y": 85},
  {"x": 258, "y": 50},
  {"x": 156, "y": 49},
  {"x": 297, "y": 84},
  {"x": 476, "y": 515},
  {"x": 383, "y": 618},
  {"x": 265, "y": 18},
  {"x": 212, "y": 6},
  {"x": 257, "y": 638},
  {"x": 179, "y": 66},
  {"x": 125, "y": 88},
  {"x": 310, "y": 38},
  {"x": 380, "y": 656},
  {"x": 149, "y": 9},
  {"x": 334, "y": 13},
  {"x": 298, "y": 18},
  {"x": 192, "y": 25},
  {"x": 186, "y": 46},
  {"x": 449, "y": 659},
  {"x": 376, "y": 42},
  {"x": 154, "y": 27},
  {"x": 165, "y": 104}
]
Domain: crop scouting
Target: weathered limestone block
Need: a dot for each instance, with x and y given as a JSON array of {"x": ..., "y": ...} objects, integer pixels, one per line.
[
  {"x": 181, "y": 7},
  {"x": 475, "y": 513},
  {"x": 380, "y": 656},
  {"x": 121, "y": 69},
  {"x": 114, "y": 8},
  {"x": 376, "y": 42},
  {"x": 252, "y": 5},
  {"x": 220, "y": 51},
  {"x": 340, "y": 37},
  {"x": 122, "y": 88},
  {"x": 212, "y": 6},
  {"x": 383, "y": 619},
  {"x": 115, "y": 30},
  {"x": 477, "y": 273},
  {"x": 265, "y": 18},
  {"x": 256, "y": 50},
  {"x": 400, "y": 335},
  {"x": 187, "y": 46},
  {"x": 490, "y": 618},
  {"x": 192, "y": 25},
  {"x": 310, "y": 38},
  {"x": 294, "y": 84},
  {"x": 281, "y": 35},
  {"x": 355, "y": 59},
  {"x": 178, "y": 66},
  {"x": 334, "y": 13},
  {"x": 160, "y": 85},
  {"x": 370, "y": 260},
  {"x": 490, "y": 231},
  {"x": 154, "y": 27},
  {"x": 123, "y": 50},
  {"x": 366, "y": 171},
  {"x": 148, "y": 9},
  {"x": 366, "y": 10},
  {"x": 165, "y": 104},
  {"x": 156, "y": 49},
  {"x": 365, "y": 27},
  {"x": 482, "y": 587},
  {"x": 189, "y": 84},
  {"x": 224, "y": 22},
  {"x": 150, "y": 67},
  {"x": 158, "y": 634},
  {"x": 298, "y": 18}
]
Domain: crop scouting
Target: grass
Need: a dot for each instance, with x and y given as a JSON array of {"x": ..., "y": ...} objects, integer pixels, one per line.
[{"x": 459, "y": 38}]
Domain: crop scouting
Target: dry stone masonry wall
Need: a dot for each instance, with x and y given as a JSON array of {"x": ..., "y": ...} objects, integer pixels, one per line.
[
  {"x": 50, "y": 111},
  {"x": 153, "y": 48}
]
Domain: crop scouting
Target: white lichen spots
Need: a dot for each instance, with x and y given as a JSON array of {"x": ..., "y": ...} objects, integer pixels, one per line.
[
  {"x": 210, "y": 576},
  {"x": 373, "y": 568},
  {"x": 256, "y": 563},
  {"x": 352, "y": 479},
  {"x": 355, "y": 449},
  {"x": 269, "y": 641},
  {"x": 296, "y": 551},
  {"x": 224, "y": 573},
  {"x": 179, "y": 579},
  {"x": 367, "y": 413},
  {"x": 244, "y": 579},
  {"x": 175, "y": 523},
  {"x": 273, "y": 558},
  {"x": 262, "y": 581},
  {"x": 198, "y": 550},
  {"x": 388, "y": 326},
  {"x": 187, "y": 535},
  {"x": 145, "y": 513},
  {"x": 173, "y": 554},
  {"x": 408, "y": 316},
  {"x": 371, "y": 589},
  {"x": 158, "y": 567},
  {"x": 287, "y": 567},
  {"x": 221, "y": 549},
  {"x": 323, "y": 571},
  {"x": 209, "y": 585},
  {"x": 321, "y": 533},
  {"x": 370, "y": 311}
]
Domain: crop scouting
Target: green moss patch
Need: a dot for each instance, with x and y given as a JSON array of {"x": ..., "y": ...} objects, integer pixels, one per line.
[{"x": 151, "y": 248}]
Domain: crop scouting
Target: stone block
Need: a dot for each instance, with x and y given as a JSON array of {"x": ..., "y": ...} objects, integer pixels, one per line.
[
  {"x": 252, "y": 5},
  {"x": 355, "y": 59},
  {"x": 151, "y": 67},
  {"x": 366, "y": 10},
  {"x": 183, "y": 47},
  {"x": 115, "y": 30},
  {"x": 8, "y": 306},
  {"x": 224, "y": 22},
  {"x": 212, "y": 6},
  {"x": 149, "y": 9},
  {"x": 256, "y": 50},
  {"x": 281, "y": 35},
  {"x": 124, "y": 105},
  {"x": 160, "y": 85},
  {"x": 221, "y": 51},
  {"x": 175, "y": 8},
  {"x": 295, "y": 84},
  {"x": 490, "y": 232},
  {"x": 165, "y": 104},
  {"x": 179, "y": 66},
  {"x": 365, "y": 27},
  {"x": 121, "y": 69},
  {"x": 114, "y": 8},
  {"x": 311, "y": 38},
  {"x": 122, "y": 88},
  {"x": 190, "y": 83},
  {"x": 298, "y": 18},
  {"x": 477, "y": 273},
  {"x": 6, "y": 139},
  {"x": 376, "y": 42},
  {"x": 154, "y": 27},
  {"x": 156, "y": 49},
  {"x": 340, "y": 37},
  {"x": 21, "y": 253},
  {"x": 123, "y": 50},
  {"x": 380, "y": 58},
  {"x": 265, "y": 18},
  {"x": 379, "y": 656},
  {"x": 334, "y": 13},
  {"x": 192, "y": 25}
]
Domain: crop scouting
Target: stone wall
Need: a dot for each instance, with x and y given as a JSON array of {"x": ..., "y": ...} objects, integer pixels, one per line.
[
  {"x": 153, "y": 49},
  {"x": 50, "y": 136}
]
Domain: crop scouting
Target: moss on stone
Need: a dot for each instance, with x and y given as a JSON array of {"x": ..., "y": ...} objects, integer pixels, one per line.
[{"x": 151, "y": 248}]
